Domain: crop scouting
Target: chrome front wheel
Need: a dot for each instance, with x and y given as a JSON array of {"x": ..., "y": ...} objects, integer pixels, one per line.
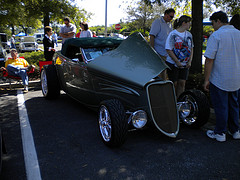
[
  {"x": 112, "y": 121},
  {"x": 194, "y": 109},
  {"x": 49, "y": 82}
]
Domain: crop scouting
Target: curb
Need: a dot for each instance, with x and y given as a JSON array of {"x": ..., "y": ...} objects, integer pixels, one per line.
[{"x": 17, "y": 84}]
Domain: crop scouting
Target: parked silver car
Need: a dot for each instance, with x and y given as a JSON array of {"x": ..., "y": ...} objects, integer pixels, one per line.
[
  {"x": 3, "y": 56},
  {"x": 5, "y": 43},
  {"x": 39, "y": 37},
  {"x": 28, "y": 43}
]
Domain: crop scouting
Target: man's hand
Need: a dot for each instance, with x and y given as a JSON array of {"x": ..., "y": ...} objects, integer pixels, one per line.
[
  {"x": 206, "y": 86},
  {"x": 67, "y": 35},
  {"x": 207, "y": 72},
  {"x": 28, "y": 68},
  {"x": 189, "y": 64},
  {"x": 3, "y": 69},
  {"x": 179, "y": 65}
]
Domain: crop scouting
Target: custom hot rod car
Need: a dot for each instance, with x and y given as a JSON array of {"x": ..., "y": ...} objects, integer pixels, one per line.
[{"x": 119, "y": 78}]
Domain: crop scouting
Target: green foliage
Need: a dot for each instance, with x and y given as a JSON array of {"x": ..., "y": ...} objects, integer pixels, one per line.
[
  {"x": 33, "y": 58},
  {"x": 185, "y": 8},
  {"x": 98, "y": 29},
  {"x": 30, "y": 14},
  {"x": 80, "y": 15},
  {"x": 207, "y": 30},
  {"x": 229, "y": 6},
  {"x": 142, "y": 14},
  {"x": 195, "y": 81}
]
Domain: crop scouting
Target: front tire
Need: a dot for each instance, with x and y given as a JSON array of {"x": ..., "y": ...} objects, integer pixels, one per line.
[
  {"x": 49, "y": 82},
  {"x": 112, "y": 123},
  {"x": 199, "y": 108}
]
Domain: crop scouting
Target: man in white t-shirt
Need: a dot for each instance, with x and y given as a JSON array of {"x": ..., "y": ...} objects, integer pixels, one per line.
[
  {"x": 68, "y": 30},
  {"x": 159, "y": 32}
]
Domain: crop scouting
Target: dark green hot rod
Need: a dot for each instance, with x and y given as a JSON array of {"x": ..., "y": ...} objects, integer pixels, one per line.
[{"x": 119, "y": 78}]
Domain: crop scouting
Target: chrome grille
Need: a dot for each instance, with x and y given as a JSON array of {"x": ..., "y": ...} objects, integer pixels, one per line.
[
  {"x": 29, "y": 45},
  {"x": 163, "y": 107}
]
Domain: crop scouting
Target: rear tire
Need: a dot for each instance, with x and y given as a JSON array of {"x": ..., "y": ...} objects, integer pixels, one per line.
[
  {"x": 200, "y": 108},
  {"x": 49, "y": 82},
  {"x": 1, "y": 150},
  {"x": 113, "y": 123}
]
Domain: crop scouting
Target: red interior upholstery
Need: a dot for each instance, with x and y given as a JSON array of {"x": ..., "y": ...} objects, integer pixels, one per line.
[{"x": 42, "y": 63}]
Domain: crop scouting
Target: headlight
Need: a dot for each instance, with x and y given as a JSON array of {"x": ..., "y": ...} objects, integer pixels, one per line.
[
  {"x": 184, "y": 109},
  {"x": 139, "y": 119}
]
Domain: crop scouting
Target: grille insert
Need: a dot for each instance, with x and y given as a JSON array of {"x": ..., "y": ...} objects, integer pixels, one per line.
[{"x": 163, "y": 107}]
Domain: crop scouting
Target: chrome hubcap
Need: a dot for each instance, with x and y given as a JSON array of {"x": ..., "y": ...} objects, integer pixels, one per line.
[
  {"x": 44, "y": 83},
  {"x": 105, "y": 123},
  {"x": 193, "y": 110}
]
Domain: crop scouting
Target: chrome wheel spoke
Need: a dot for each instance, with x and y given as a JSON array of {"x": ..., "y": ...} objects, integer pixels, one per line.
[
  {"x": 105, "y": 123},
  {"x": 44, "y": 82}
]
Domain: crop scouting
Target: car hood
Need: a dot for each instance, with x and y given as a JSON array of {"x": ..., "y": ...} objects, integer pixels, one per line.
[{"x": 134, "y": 60}]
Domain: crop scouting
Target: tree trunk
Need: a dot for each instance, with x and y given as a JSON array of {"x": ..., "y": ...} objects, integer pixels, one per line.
[
  {"x": 13, "y": 29},
  {"x": 25, "y": 30},
  {"x": 197, "y": 32},
  {"x": 46, "y": 19}
]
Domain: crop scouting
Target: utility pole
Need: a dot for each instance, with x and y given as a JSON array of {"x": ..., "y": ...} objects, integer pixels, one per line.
[{"x": 105, "y": 19}]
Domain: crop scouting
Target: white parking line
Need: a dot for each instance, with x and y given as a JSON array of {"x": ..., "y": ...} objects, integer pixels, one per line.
[{"x": 29, "y": 151}]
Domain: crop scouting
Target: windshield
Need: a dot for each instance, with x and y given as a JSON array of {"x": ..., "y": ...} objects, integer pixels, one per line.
[{"x": 92, "y": 53}]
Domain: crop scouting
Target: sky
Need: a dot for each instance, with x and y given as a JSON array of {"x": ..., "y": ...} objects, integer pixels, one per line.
[{"x": 114, "y": 12}]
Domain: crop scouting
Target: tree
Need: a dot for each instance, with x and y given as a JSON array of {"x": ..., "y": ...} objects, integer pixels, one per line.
[
  {"x": 8, "y": 15},
  {"x": 141, "y": 15},
  {"x": 52, "y": 9},
  {"x": 79, "y": 15},
  {"x": 26, "y": 13},
  {"x": 230, "y": 6}
]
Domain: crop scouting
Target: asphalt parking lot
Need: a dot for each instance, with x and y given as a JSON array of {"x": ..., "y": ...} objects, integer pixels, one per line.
[{"x": 68, "y": 146}]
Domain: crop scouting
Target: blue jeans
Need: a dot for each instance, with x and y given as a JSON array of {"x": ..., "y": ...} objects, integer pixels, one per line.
[
  {"x": 17, "y": 71},
  {"x": 13, "y": 46},
  {"x": 226, "y": 109},
  {"x": 239, "y": 98},
  {"x": 55, "y": 41}
]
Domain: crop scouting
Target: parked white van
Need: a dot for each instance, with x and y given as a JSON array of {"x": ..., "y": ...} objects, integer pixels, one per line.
[{"x": 39, "y": 37}]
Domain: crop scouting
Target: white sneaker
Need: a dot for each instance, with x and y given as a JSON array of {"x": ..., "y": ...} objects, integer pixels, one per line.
[
  {"x": 218, "y": 137},
  {"x": 25, "y": 90},
  {"x": 235, "y": 135}
]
